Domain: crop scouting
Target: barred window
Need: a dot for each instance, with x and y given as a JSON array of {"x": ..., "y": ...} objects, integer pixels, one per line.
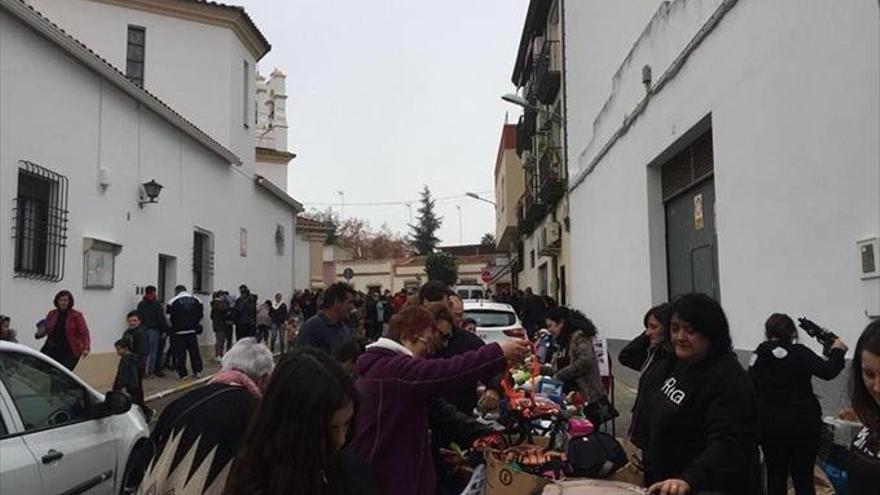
[
  {"x": 40, "y": 223},
  {"x": 203, "y": 262},
  {"x": 134, "y": 60}
]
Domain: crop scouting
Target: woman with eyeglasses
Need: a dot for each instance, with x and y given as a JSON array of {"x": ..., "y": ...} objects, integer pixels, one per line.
[{"x": 396, "y": 383}]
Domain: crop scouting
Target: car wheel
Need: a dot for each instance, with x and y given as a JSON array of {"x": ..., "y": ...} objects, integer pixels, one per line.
[{"x": 135, "y": 467}]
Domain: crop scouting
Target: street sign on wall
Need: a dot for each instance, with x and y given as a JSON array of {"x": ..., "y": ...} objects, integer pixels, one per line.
[{"x": 348, "y": 273}]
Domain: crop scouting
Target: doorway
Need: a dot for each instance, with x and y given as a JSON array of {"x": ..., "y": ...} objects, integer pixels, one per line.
[
  {"x": 167, "y": 277},
  {"x": 689, "y": 201}
]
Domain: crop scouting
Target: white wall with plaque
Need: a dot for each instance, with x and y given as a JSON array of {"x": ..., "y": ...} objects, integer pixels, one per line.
[{"x": 99, "y": 263}]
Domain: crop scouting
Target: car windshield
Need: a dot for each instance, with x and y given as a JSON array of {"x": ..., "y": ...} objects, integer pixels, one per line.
[{"x": 487, "y": 318}]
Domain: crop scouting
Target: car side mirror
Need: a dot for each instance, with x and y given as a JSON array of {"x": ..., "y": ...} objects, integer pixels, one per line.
[{"x": 114, "y": 403}]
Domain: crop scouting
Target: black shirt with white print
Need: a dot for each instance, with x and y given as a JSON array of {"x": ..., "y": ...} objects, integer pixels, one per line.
[
  {"x": 864, "y": 463},
  {"x": 703, "y": 426}
]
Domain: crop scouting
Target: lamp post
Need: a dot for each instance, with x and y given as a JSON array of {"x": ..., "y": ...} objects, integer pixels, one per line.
[
  {"x": 460, "y": 236},
  {"x": 341, "y": 204},
  {"x": 478, "y": 197}
]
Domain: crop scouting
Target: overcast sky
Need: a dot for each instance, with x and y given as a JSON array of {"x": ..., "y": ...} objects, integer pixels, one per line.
[{"x": 388, "y": 95}]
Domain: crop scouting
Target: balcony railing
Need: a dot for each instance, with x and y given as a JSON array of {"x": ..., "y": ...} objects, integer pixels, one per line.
[
  {"x": 548, "y": 72},
  {"x": 551, "y": 180}
]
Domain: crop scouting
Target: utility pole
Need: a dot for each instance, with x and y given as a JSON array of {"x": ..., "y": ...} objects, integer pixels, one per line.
[
  {"x": 460, "y": 237},
  {"x": 341, "y": 204},
  {"x": 409, "y": 206}
]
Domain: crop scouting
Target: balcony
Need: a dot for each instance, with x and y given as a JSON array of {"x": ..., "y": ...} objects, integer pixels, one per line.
[
  {"x": 551, "y": 180},
  {"x": 548, "y": 72}
]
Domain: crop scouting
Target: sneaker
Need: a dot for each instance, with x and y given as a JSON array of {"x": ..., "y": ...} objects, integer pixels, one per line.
[
  {"x": 182, "y": 378},
  {"x": 197, "y": 375}
]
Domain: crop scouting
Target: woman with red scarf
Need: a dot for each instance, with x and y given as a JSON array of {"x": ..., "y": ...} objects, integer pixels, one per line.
[{"x": 66, "y": 332}]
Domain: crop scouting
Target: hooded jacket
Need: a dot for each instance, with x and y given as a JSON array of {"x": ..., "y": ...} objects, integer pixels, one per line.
[
  {"x": 641, "y": 356},
  {"x": 186, "y": 313},
  {"x": 703, "y": 426},
  {"x": 782, "y": 373},
  {"x": 392, "y": 417}
]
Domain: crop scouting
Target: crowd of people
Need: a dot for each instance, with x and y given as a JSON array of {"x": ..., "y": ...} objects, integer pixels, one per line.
[{"x": 371, "y": 387}]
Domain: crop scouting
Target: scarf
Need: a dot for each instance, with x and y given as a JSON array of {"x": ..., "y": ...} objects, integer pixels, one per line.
[
  {"x": 277, "y": 304},
  {"x": 237, "y": 378}
]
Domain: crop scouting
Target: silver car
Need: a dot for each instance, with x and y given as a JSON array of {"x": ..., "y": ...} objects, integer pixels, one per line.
[{"x": 59, "y": 435}]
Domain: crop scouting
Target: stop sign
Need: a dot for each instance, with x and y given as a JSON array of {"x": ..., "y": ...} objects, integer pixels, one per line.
[{"x": 486, "y": 275}]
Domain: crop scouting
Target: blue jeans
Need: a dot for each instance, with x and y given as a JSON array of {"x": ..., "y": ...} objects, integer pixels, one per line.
[{"x": 152, "y": 351}]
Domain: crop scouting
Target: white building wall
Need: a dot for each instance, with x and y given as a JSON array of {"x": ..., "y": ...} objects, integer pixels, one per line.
[
  {"x": 301, "y": 270},
  {"x": 792, "y": 90},
  {"x": 195, "y": 68},
  {"x": 58, "y": 114}
]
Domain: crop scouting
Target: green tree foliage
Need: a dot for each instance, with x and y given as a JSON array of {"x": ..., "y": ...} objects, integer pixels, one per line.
[
  {"x": 441, "y": 266},
  {"x": 423, "y": 236},
  {"x": 488, "y": 239}
]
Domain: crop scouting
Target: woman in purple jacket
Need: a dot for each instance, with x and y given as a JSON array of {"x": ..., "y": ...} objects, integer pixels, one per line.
[{"x": 396, "y": 383}]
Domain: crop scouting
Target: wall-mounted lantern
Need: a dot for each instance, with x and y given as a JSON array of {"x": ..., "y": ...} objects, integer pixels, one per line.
[{"x": 150, "y": 193}]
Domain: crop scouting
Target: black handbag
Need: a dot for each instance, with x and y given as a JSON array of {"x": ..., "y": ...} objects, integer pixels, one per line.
[
  {"x": 601, "y": 411},
  {"x": 597, "y": 455}
]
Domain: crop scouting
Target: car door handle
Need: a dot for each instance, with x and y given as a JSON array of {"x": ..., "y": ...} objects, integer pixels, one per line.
[{"x": 52, "y": 456}]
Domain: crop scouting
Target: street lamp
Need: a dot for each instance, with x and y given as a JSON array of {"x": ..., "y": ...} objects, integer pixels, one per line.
[
  {"x": 478, "y": 197},
  {"x": 150, "y": 193},
  {"x": 522, "y": 102}
]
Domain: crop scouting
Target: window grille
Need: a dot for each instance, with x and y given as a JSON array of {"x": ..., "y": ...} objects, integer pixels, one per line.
[
  {"x": 203, "y": 262},
  {"x": 688, "y": 166},
  {"x": 134, "y": 57},
  {"x": 40, "y": 223}
]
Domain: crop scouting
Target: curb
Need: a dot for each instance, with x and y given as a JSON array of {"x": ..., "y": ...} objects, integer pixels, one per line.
[{"x": 178, "y": 389}]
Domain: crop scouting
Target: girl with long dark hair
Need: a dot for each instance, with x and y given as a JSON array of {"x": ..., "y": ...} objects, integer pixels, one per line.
[
  {"x": 575, "y": 359},
  {"x": 294, "y": 442},
  {"x": 864, "y": 464}
]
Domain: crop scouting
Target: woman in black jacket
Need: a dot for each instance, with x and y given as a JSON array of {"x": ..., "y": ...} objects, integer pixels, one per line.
[
  {"x": 641, "y": 354},
  {"x": 703, "y": 426},
  {"x": 791, "y": 417}
]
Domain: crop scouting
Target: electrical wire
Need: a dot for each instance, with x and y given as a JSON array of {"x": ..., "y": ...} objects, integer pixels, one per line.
[{"x": 395, "y": 203}]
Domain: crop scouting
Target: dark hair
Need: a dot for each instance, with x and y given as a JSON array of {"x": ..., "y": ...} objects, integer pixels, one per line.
[
  {"x": 780, "y": 326},
  {"x": 349, "y": 351},
  {"x": 60, "y": 294},
  {"x": 433, "y": 291},
  {"x": 122, "y": 344},
  {"x": 336, "y": 293},
  {"x": 180, "y": 288},
  {"x": 572, "y": 320},
  {"x": 441, "y": 312},
  {"x": 150, "y": 289},
  {"x": 707, "y": 318},
  {"x": 468, "y": 321},
  {"x": 863, "y": 402},
  {"x": 4, "y": 318},
  {"x": 134, "y": 313},
  {"x": 287, "y": 444},
  {"x": 409, "y": 323},
  {"x": 661, "y": 313}
]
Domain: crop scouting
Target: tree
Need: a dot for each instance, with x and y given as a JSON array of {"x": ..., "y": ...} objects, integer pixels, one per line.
[
  {"x": 441, "y": 266},
  {"x": 423, "y": 234},
  {"x": 357, "y": 235},
  {"x": 488, "y": 239}
]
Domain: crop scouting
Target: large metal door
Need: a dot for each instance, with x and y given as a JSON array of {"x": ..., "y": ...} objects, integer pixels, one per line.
[
  {"x": 692, "y": 253},
  {"x": 689, "y": 199}
]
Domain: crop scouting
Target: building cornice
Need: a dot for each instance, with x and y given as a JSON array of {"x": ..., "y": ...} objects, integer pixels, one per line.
[
  {"x": 276, "y": 191},
  {"x": 269, "y": 155},
  {"x": 216, "y": 14}
]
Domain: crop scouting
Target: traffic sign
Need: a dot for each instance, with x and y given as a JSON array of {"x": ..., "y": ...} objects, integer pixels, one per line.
[
  {"x": 348, "y": 273},
  {"x": 486, "y": 275}
]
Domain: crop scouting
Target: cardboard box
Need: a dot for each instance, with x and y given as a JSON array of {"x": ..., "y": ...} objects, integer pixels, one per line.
[{"x": 502, "y": 480}]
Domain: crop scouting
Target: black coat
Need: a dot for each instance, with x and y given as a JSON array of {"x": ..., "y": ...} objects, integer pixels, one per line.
[
  {"x": 703, "y": 426},
  {"x": 782, "y": 373},
  {"x": 640, "y": 356},
  {"x": 245, "y": 310},
  {"x": 152, "y": 315},
  {"x": 186, "y": 313},
  {"x": 464, "y": 399}
]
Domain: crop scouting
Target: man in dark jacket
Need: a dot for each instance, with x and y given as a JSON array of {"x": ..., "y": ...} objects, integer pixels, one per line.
[
  {"x": 244, "y": 313},
  {"x": 533, "y": 312},
  {"x": 154, "y": 325},
  {"x": 327, "y": 329},
  {"x": 186, "y": 316}
]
